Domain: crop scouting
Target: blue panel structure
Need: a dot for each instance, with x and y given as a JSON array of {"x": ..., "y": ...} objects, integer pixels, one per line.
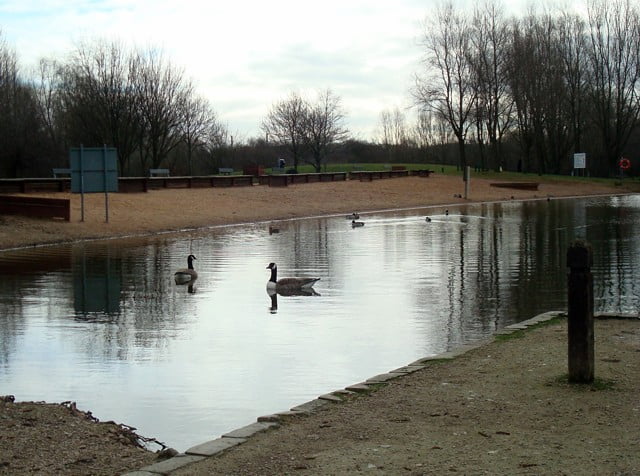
[{"x": 94, "y": 169}]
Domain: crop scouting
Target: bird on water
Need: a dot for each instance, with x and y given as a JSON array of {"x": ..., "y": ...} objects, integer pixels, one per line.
[
  {"x": 188, "y": 274},
  {"x": 287, "y": 284}
]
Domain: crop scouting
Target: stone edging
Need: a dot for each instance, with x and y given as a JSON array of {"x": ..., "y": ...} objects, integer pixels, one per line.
[{"x": 264, "y": 423}]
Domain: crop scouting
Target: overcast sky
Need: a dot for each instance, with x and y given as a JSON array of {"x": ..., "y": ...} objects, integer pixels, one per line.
[{"x": 244, "y": 55}]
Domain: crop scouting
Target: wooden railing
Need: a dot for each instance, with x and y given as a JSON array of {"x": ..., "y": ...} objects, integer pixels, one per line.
[
  {"x": 126, "y": 184},
  {"x": 28, "y": 185},
  {"x": 282, "y": 180},
  {"x": 517, "y": 185},
  {"x": 367, "y": 176},
  {"x": 35, "y": 206}
]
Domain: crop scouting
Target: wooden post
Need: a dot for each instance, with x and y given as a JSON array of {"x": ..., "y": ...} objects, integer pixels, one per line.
[
  {"x": 580, "y": 294},
  {"x": 467, "y": 179}
]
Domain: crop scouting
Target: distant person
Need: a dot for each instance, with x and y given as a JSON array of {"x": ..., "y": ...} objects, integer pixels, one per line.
[{"x": 281, "y": 163}]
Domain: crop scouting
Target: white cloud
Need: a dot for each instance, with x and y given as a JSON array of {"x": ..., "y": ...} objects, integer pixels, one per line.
[{"x": 246, "y": 54}]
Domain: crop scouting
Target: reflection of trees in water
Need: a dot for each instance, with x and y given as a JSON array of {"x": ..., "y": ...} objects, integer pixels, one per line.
[
  {"x": 149, "y": 301},
  {"x": 123, "y": 296},
  {"x": 25, "y": 283},
  {"x": 512, "y": 265}
]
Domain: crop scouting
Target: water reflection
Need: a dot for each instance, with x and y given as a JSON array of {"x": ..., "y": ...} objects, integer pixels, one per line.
[
  {"x": 273, "y": 296},
  {"x": 96, "y": 284},
  {"x": 105, "y": 324}
]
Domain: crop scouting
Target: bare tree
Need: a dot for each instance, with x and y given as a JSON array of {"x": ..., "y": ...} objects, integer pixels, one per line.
[
  {"x": 284, "y": 124},
  {"x": 98, "y": 100},
  {"x": 539, "y": 87},
  {"x": 614, "y": 57},
  {"x": 198, "y": 119},
  {"x": 161, "y": 90},
  {"x": 218, "y": 143},
  {"x": 49, "y": 104},
  {"x": 19, "y": 123},
  {"x": 490, "y": 39},
  {"x": 572, "y": 40},
  {"x": 323, "y": 127},
  {"x": 445, "y": 86},
  {"x": 393, "y": 134}
]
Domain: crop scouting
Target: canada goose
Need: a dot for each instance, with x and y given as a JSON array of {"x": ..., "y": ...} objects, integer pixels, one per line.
[
  {"x": 287, "y": 284},
  {"x": 273, "y": 229},
  {"x": 185, "y": 275},
  {"x": 428, "y": 219},
  {"x": 353, "y": 216},
  {"x": 446, "y": 212},
  {"x": 355, "y": 224}
]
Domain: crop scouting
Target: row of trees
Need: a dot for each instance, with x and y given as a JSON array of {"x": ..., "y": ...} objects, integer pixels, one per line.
[
  {"x": 521, "y": 93},
  {"x": 552, "y": 83},
  {"x": 134, "y": 100},
  {"x": 307, "y": 129}
]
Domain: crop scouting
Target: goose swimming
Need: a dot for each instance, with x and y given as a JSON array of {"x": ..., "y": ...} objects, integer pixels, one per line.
[
  {"x": 188, "y": 274},
  {"x": 356, "y": 223},
  {"x": 353, "y": 216},
  {"x": 287, "y": 284}
]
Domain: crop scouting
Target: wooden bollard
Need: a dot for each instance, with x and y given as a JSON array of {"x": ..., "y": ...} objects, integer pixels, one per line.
[{"x": 580, "y": 315}]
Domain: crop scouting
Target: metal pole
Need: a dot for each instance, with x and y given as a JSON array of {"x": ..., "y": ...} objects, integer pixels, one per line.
[
  {"x": 106, "y": 192},
  {"x": 81, "y": 185}
]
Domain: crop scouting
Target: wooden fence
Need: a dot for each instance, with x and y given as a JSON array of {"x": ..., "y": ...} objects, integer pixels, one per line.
[
  {"x": 517, "y": 185},
  {"x": 36, "y": 207},
  {"x": 126, "y": 184},
  {"x": 289, "y": 179},
  {"x": 367, "y": 176}
]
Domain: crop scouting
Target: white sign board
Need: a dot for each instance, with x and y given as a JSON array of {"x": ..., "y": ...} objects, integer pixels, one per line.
[{"x": 579, "y": 160}]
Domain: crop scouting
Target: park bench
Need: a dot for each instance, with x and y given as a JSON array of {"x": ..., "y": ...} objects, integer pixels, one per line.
[
  {"x": 57, "y": 173},
  {"x": 225, "y": 170},
  {"x": 158, "y": 172}
]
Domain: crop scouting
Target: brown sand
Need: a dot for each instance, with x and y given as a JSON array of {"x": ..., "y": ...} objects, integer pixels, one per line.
[{"x": 173, "y": 209}]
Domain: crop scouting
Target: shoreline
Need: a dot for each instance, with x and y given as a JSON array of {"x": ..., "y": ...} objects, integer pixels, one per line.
[
  {"x": 275, "y": 444},
  {"x": 175, "y": 210},
  {"x": 268, "y": 221}
]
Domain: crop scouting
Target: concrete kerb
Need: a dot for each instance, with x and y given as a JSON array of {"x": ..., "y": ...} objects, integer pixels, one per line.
[{"x": 236, "y": 437}]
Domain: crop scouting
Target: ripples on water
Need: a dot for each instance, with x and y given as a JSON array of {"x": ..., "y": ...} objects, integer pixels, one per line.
[{"x": 102, "y": 323}]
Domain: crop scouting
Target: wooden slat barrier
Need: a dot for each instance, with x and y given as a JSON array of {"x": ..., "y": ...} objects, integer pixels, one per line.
[
  {"x": 28, "y": 185},
  {"x": 143, "y": 184},
  {"x": 367, "y": 176},
  {"x": 280, "y": 180},
  {"x": 517, "y": 185},
  {"x": 421, "y": 172},
  {"x": 36, "y": 206}
]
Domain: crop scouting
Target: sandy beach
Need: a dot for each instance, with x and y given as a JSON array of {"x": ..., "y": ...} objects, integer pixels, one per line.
[
  {"x": 174, "y": 209},
  {"x": 502, "y": 408}
]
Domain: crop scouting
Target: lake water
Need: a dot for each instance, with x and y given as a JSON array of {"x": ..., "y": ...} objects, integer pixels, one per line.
[{"x": 103, "y": 324}]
